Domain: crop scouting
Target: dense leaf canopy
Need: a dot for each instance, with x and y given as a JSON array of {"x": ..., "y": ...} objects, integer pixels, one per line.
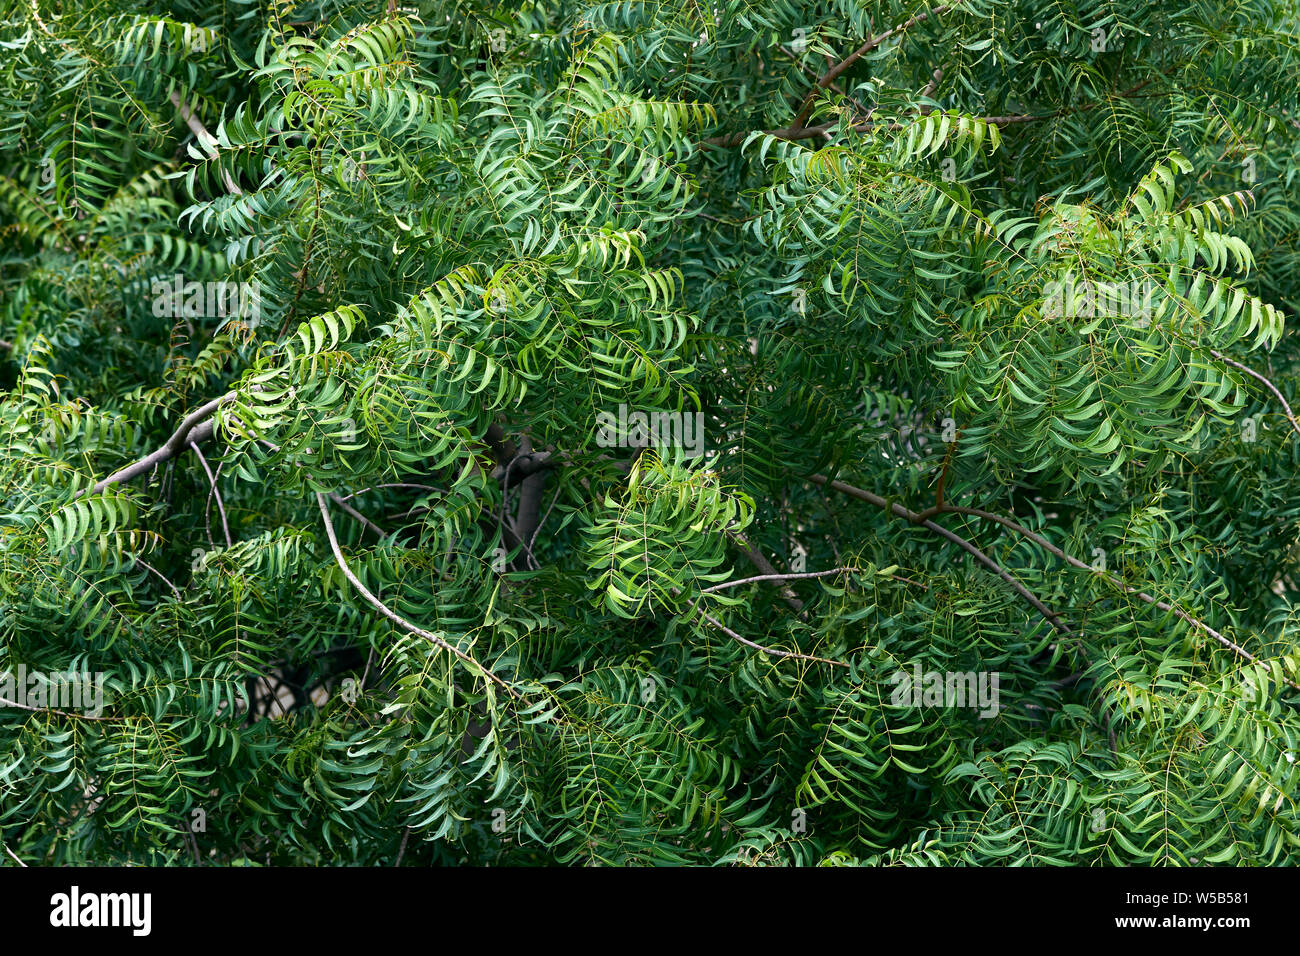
[{"x": 963, "y": 340}]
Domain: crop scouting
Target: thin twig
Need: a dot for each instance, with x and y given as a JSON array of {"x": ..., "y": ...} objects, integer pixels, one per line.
[
  {"x": 334, "y": 496},
  {"x": 545, "y": 515},
  {"x": 794, "y": 132},
  {"x": 353, "y": 512},
  {"x": 149, "y": 567},
  {"x": 1052, "y": 617},
  {"x": 776, "y": 577},
  {"x": 756, "y": 558},
  {"x": 831, "y": 75},
  {"x": 392, "y": 615},
  {"x": 46, "y": 710},
  {"x": 213, "y": 490},
  {"x": 401, "y": 850},
  {"x": 1271, "y": 387},
  {"x": 394, "y": 484},
  {"x": 774, "y": 652},
  {"x": 1109, "y": 578}
]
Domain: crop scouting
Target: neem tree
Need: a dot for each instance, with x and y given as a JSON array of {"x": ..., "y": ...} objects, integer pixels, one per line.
[{"x": 320, "y": 320}]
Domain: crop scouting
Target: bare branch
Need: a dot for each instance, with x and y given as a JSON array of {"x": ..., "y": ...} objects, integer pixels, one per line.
[
  {"x": 194, "y": 428},
  {"x": 1109, "y": 578},
  {"x": 213, "y": 490},
  {"x": 764, "y": 565},
  {"x": 149, "y": 567},
  {"x": 776, "y": 577},
  {"x": 1052, "y": 617},
  {"x": 14, "y": 857},
  {"x": 772, "y": 651},
  {"x": 47, "y": 710},
  {"x": 206, "y": 140},
  {"x": 394, "y": 484},
  {"x": 1271, "y": 387},
  {"x": 401, "y": 850},
  {"x": 352, "y": 512},
  {"x": 392, "y": 615},
  {"x": 831, "y": 75}
]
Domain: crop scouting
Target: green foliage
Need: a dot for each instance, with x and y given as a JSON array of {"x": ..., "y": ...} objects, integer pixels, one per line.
[{"x": 988, "y": 330}]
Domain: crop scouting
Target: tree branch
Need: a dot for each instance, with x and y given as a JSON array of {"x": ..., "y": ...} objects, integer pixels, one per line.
[
  {"x": 1109, "y": 578},
  {"x": 392, "y": 615},
  {"x": 194, "y": 428},
  {"x": 1052, "y": 617},
  {"x": 776, "y": 577},
  {"x": 1046, "y": 545},
  {"x": 756, "y": 558},
  {"x": 213, "y": 490},
  {"x": 206, "y": 139},
  {"x": 831, "y": 75},
  {"x": 772, "y": 651},
  {"x": 14, "y": 857},
  {"x": 162, "y": 577},
  {"x": 796, "y": 131},
  {"x": 1271, "y": 387}
]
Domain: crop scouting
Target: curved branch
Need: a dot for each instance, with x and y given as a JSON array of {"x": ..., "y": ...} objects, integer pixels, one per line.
[
  {"x": 772, "y": 651},
  {"x": 1271, "y": 387},
  {"x": 195, "y": 427},
  {"x": 162, "y": 577},
  {"x": 213, "y": 490},
  {"x": 831, "y": 75},
  {"x": 759, "y": 561},
  {"x": 392, "y": 615},
  {"x": 1109, "y": 578},
  {"x": 1052, "y": 617}
]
